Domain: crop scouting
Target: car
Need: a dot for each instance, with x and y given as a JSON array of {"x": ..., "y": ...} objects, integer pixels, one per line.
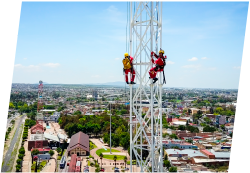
[
  {"x": 116, "y": 170},
  {"x": 102, "y": 170},
  {"x": 68, "y": 164}
]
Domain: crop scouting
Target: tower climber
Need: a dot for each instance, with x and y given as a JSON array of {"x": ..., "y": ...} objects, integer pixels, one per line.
[
  {"x": 128, "y": 67},
  {"x": 159, "y": 65}
]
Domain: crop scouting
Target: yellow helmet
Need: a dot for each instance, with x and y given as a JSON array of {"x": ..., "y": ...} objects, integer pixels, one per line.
[
  {"x": 161, "y": 51},
  {"x": 126, "y": 54}
]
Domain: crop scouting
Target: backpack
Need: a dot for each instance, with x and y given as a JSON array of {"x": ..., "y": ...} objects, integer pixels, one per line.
[{"x": 126, "y": 63}]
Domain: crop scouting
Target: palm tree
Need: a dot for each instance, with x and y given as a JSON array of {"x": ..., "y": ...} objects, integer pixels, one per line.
[
  {"x": 101, "y": 156},
  {"x": 125, "y": 160},
  {"x": 87, "y": 160},
  {"x": 115, "y": 158}
]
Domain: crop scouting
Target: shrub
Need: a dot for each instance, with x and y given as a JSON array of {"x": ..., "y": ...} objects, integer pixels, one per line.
[
  {"x": 59, "y": 157},
  {"x": 18, "y": 168},
  {"x": 20, "y": 156},
  {"x": 92, "y": 164},
  {"x": 18, "y": 161},
  {"x": 21, "y": 150}
]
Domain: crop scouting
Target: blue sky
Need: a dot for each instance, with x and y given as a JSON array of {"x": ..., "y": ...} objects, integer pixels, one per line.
[{"x": 84, "y": 42}]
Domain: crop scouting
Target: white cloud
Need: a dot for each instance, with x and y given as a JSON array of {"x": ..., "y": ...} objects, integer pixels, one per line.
[
  {"x": 18, "y": 65},
  {"x": 169, "y": 62},
  {"x": 117, "y": 59},
  {"x": 236, "y": 67},
  {"x": 52, "y": 65},
  {"x": 24, "y": 58},
  {"x": 112, "y": 8},
  {"x": 204, "y": 58},
  {"x": 30, "y": 67},
  {"x": 193, "y": 59},
  {"x": 192, "y": 66}
]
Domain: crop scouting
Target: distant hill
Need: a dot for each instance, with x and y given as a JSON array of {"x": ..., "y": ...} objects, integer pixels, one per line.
[{"x": 109, "y": 83}]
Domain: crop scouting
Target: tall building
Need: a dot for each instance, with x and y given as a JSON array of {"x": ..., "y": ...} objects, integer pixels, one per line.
[{"x": 94, "y": 94}]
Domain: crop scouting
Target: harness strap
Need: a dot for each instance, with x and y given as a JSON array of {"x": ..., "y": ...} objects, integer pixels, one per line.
[{"x": 164, "y": 81}]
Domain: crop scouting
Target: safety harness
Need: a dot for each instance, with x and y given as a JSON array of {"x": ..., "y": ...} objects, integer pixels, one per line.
[{"x": 162, "y": 68}]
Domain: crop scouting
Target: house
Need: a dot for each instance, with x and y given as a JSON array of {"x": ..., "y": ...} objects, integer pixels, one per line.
[
  {"x": 220, "y": 119},
  {"x": 37, "y": 141},
  {"x": 37, "y": 129},
  {"x": 178, "y": 143},
  {"x": 79, "y": 144}
]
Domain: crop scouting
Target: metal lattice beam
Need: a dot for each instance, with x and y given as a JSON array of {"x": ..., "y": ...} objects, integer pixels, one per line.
[{"x": 146, "y": 131}]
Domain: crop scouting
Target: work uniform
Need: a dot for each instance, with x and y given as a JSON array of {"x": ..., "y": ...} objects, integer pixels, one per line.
[
  {"x": 129, "y": 70},
  {"x": 159, "y": 62}
]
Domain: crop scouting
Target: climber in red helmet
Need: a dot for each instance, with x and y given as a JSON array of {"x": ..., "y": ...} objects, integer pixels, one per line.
[{"x": 159, "y": 65}]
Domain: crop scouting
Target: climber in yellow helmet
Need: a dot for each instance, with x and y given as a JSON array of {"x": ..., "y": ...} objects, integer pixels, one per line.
[{"x": 128, "y": 67}]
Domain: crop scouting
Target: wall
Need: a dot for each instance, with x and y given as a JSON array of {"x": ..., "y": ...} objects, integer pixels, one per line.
[
  {"x": 31, "y": 144},
  {"x": 81, "y": 152}
]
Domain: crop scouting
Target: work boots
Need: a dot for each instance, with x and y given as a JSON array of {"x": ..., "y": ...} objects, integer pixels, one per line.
[{"x": 155, "y": 79}]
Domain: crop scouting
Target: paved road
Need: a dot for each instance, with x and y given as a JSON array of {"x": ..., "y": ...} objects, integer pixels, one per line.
[
  {"x": 9, "y": 159},
  {"x": 10, "y": 119}
]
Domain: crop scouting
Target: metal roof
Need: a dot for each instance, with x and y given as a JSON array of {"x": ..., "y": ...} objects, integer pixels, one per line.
[
  {"x": 51, "y": 137},
  {"x": 189, "y": 152},
  {"x": 220, "y": 154}
]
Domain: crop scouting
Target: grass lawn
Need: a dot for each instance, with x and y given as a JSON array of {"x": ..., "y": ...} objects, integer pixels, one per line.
[
  {"x": 112, "y": 156},
  {"x": 98, "y": 152}
]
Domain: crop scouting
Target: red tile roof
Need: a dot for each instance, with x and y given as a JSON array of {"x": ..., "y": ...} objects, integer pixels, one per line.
[
  {"x": 41, "y": 149},
  {"x": 72, "y": 164},
  {"x": 79, "y": 140},
  {"x": 207, "y": 152}
]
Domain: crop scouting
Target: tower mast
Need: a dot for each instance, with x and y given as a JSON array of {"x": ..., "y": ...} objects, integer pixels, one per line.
[{"x": 146, "y": 130}]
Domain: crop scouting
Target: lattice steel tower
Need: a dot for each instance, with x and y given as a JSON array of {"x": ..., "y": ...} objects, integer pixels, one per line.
[
  {"x": 145, "y": 130},
  {"x": 39, "y": 116}
]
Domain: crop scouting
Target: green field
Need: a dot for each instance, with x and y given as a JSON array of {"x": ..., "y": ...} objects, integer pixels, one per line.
[
  {"x": 98, "y": 152},
  {"x": 112, "y": 156}
]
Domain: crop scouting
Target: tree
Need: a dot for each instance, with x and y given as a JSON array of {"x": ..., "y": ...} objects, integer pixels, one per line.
[
  {"x": 166, "y": 157},
  {"x": 101, "y": 156},
  {"x": 51, "y": 153},
  {"x": 173, "y": 169},
  {"x": 35, "y": 152},
  {"x": 125, "y": 160},
  {"x": 209, "y": 129},
  {"x": 11, "y": 105},
  {"x": 115, "y": 158},
  {"x": 58, "y": 149},
  {"x": 173, "y": 136},
  {"x": 181, "y": 127},
  {"x": 231, "y": 135},
  {"x": 222, "y": 126},
  {"x": 167, "y": 163}
]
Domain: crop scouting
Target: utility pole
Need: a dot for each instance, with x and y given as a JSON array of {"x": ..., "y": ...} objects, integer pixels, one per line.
[{"x": 110, "y": 129}]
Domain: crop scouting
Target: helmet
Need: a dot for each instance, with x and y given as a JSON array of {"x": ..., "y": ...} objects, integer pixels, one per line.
[
  {"x": 126, "y": 54},
  {"x": 161, "y": 51}
]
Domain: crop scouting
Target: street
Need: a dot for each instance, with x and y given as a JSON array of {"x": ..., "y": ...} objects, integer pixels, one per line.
[{"x": 10, "y": 158}]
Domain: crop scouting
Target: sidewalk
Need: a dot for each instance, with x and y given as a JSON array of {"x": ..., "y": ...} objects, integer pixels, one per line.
[{"x": 27, "y": 158}]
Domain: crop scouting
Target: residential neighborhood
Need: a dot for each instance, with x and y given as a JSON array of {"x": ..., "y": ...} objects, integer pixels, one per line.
[{"x": 74, "y": 134}]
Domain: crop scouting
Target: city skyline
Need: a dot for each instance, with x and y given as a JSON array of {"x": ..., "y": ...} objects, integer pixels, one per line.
[{"x": 204, "y": 47}]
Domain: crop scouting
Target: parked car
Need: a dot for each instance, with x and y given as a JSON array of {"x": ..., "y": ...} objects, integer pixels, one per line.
[
  {"x": 102, "y": 170},
  {"x": 117, "y": 170}
]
